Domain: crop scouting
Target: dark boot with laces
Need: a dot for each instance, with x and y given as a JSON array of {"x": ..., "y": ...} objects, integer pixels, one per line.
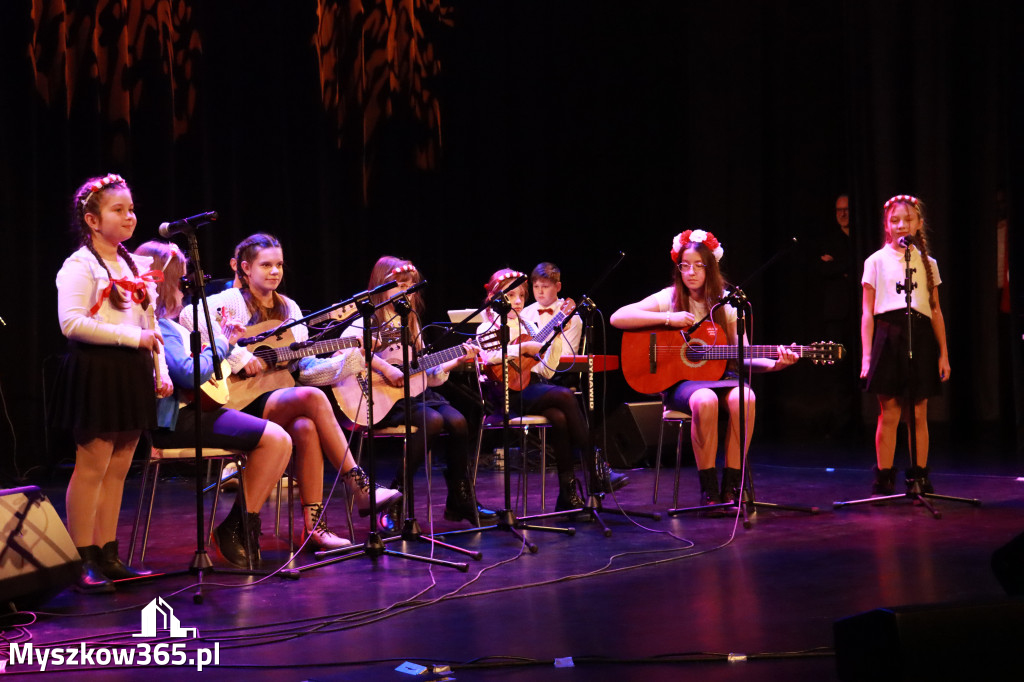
[
  {"x": 231, "y": 540},
  {"x": 461, "y": 503},
  {"x": 709, "y": 493},
  {"x": 605, "y": 480},
  {"x": 568, "y": 492}
]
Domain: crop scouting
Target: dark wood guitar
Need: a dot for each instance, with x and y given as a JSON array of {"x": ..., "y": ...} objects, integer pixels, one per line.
[
  {"x": 656, "y": 358},
  {"x": 520, "y": 367}
]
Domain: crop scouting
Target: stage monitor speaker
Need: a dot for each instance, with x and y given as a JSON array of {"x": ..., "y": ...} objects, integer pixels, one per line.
[
  {"x": 968, "y": 641},
  {"x": 1008, "y": 565},
  {"x": 37, "y": 558},
  {"x": 633, "y": 433}
]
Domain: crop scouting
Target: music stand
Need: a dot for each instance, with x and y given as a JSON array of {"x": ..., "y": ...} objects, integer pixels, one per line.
[{"x": 914, "y": 492}]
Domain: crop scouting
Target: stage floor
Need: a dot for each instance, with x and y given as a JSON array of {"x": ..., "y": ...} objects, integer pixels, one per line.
[{"x": 657, "y": 599}]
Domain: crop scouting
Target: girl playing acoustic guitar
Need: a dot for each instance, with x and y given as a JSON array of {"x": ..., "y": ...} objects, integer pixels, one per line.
[
  {"x": 697, "y": 286},
  {"x": 268, "y": 445},
  {"x": 304, "y": 411},
  {"x": 429, "y": 409}
]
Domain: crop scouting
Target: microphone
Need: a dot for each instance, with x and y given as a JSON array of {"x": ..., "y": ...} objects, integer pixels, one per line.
[
  {"x": 168, "y": 230},
  {"x": 906, "y": 241}
]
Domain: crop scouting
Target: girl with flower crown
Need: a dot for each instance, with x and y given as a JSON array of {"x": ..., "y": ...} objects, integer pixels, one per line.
[
  {"x": 697, "y": 289},
  {"x": 304, "y": 411},
  {"x": 568, "y": 430},
  {"x": 114, "y": 370},
  {"x": 884, "y": 325},
  {"x": 430, "y": 410}
]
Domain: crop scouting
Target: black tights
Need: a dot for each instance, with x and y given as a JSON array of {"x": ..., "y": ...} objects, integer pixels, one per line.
[{"x": 440, "y": 418}]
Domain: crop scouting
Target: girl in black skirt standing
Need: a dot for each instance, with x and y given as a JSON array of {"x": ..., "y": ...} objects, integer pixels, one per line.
[
  {"x": 114, "y": 366},
  {"x": 884, "y": 365}
]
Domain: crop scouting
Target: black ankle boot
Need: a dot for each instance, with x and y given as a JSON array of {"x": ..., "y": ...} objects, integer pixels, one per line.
[
  {"x": 920, "y": 476},
  {"x": 92, "y": 580},
  {"x": 568, "y": 492},
  {"x": 112, "y": 566},
  {"x": 230, "y": 538},
  {"x": 885, "y": 482},
  {"x": 731, "y": 480},
  {"x": 461, "y": 503},
  {"x": 709, "y": 487}
]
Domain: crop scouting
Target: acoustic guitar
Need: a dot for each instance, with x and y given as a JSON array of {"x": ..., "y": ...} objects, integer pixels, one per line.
[
  {"x": 277, "y": 352},
  {"x": 656, "y": 358},
  {"x": 353, "y": 393}
]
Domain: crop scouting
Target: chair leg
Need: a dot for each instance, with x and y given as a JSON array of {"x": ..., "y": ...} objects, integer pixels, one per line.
[
  {"x": 149, "y": 514},
  {"x": 657, "y": 460},
  {"x": 479, "y": 444},
  {"x": 216, "y": 499},
  {"x": 240, "y": 463},
  {"x": 543, "y": 467},
  {"x": 679, "y": 465},
  {"x": 138, "y": 509},
  {"x": 524, "y": 470}
]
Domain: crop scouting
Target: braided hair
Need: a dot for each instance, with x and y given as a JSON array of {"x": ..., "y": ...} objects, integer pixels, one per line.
[
  {"x": 245, "y": 252},
  {"x": 87, "y": 200}
]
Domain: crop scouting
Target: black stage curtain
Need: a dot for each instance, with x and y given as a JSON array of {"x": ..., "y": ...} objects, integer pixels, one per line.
[{"x": 469, "y": 136}]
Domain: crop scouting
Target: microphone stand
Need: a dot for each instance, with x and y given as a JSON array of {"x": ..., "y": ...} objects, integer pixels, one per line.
[{"x": 914, "y": 492}]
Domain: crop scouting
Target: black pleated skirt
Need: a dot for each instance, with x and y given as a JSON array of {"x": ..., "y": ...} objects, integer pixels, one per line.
[
  {"x": 104, "y": 389},
  {"x": 891, "y": 373}
]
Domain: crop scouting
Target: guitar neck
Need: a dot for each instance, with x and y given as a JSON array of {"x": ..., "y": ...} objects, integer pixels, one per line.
[
  {"x": 749, "y": 352},
  {"x": 440, "y": 357},
  {"x": 552, "y": 325},
  {"x": 288, "y": 354}
]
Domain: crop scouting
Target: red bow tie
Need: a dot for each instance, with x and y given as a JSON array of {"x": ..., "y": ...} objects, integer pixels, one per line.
[{"x": 549, "y": 311}]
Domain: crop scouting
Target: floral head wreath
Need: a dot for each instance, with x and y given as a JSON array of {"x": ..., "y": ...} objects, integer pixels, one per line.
[
  {"x": 408, "y": 269},
  {"x": 902, "y": 199},
  {"x": 99, "y": 184},
  {"x": 699, "y": 237},
  {"x": 498, "y": 280}
]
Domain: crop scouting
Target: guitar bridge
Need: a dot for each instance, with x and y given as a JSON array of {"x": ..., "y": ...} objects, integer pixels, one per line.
[{"x": 652, "y": 353}]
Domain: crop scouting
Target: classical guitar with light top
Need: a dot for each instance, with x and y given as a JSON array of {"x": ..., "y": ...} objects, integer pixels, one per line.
[
  {"x": 520, "y": 367},
  {"x": 656, "y": 358},
  {"x": 353, "y": 393}
]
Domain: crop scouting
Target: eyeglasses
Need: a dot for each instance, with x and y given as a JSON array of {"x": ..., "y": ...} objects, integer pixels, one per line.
[{"x": 696, "y": 267}]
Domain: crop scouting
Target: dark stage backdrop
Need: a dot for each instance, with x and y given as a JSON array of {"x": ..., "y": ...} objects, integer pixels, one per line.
[{"x": 469, "y": 136}]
